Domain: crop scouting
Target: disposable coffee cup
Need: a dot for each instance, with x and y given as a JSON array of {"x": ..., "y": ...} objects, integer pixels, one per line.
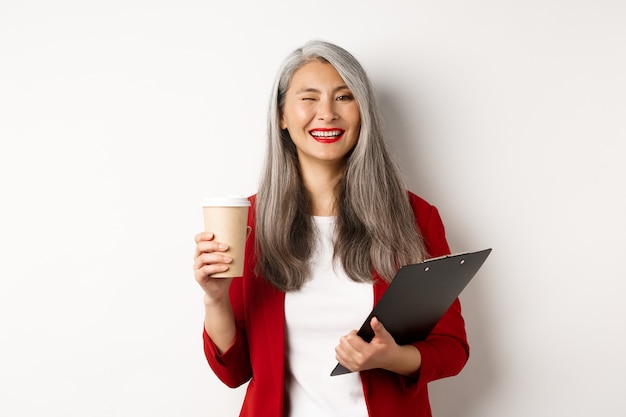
[{"x": 227, "y": 219}]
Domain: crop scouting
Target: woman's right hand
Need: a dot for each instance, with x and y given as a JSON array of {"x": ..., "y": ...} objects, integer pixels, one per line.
[
  {"x": 219, "y": 321},
  {"x": 210, "y": 259}
]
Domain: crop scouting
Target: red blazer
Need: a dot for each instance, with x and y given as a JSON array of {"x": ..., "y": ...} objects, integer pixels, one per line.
[{"x": 258, "y": 353}]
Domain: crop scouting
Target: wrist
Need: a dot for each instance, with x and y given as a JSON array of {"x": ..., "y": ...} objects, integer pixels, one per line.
[
  {"x": 207, "y": 300},
  {"x": 212, "y": 302},
  {"x": 407, "y": 361}
]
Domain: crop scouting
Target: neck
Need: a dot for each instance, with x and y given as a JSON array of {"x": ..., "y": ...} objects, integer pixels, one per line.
[{"x": 321, "y": 182}]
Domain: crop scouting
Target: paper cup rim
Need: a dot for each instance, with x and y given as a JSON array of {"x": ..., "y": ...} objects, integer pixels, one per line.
[{"x": 229, "y": 201}]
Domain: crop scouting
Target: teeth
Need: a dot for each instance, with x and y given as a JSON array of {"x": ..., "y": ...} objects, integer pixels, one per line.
[{"x": 327, "y": 134}]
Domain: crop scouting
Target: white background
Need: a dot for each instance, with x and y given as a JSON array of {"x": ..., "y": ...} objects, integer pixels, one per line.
[{"x": 118, "y": 117}]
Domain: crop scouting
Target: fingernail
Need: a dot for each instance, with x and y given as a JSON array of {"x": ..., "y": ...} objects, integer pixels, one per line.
[
  {"x": 223, "y": 246},
  {"x": 227, "y": 259}
]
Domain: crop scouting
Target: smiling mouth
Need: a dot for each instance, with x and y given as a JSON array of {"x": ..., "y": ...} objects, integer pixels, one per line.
[{"x": 327, "y": 135}]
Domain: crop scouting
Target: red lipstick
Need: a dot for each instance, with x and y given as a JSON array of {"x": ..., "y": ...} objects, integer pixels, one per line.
[{"x": 327, "y": 135}]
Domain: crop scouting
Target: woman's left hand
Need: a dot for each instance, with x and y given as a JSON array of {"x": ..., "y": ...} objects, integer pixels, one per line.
[{"x": 382, "y": 352}]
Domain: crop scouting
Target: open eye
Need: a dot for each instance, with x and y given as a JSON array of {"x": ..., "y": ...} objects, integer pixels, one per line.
[{"x": 344, "y": 97}]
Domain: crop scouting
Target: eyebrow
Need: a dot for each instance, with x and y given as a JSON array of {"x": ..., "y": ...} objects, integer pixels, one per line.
[{"x": 315, "y": 90}]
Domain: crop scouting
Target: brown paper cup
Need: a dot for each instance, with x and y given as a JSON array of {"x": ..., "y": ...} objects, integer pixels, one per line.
[{"x": 227, "y": 219}]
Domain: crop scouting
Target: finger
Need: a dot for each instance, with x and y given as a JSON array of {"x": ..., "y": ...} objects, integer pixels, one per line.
[
  {"x": 204, "y": 270},
  {"x": 348, "y": 355},
  {"x": 343, "y": 355},
  {"x": 203, "y": 236},
  {"x": 211, "y": 246},
  {"x": 352, "y": 344},
  {"x": 204, "y": 274},
  {"x": 200, "y": 238},
  {"x": 379, "y": 329},
  {"x": 377, "y": 326},
  {"x": 205, "y": 246},
  {"x": 340, "y": 356},
  {"x": 211, "y": 258}
]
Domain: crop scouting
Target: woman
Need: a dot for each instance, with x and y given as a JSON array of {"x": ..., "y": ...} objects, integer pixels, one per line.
[{"x": 330, "y": 225}]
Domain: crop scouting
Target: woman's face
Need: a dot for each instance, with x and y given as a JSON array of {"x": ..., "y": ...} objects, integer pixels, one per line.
[{"x": 321, "y": 114}]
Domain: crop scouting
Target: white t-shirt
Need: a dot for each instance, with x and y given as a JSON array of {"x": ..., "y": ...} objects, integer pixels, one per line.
[{"x": 316, "y": 316}]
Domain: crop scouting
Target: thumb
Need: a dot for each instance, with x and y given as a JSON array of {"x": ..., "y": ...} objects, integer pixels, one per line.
[{"x": 379, "y": 329}]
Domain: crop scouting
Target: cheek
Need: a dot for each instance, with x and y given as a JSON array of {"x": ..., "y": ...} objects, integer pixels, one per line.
[
  {"x": 355, "y": 116},
  {"x": 302, "y": 113},
  {"x": 293, "y": 116},
  {"x": 357, "y": 121}
]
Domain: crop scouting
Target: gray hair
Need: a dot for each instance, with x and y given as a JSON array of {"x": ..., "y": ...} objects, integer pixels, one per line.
[{"x": 376, "y": 228}]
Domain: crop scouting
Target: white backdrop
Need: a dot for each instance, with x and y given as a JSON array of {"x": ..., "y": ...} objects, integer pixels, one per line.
[{"x": 118, "y": 117}]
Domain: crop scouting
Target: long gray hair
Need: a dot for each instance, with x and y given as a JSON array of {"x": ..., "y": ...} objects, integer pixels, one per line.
[{"x": 376, "y": 228}]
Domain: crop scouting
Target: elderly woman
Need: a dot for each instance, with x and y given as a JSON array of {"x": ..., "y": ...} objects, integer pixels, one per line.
[{"x": 331, "y": 224}]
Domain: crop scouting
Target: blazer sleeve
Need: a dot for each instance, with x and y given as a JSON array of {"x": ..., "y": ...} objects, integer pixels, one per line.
[
  {"x": 232, "y": 367},
  {"x": 445, "y": 351}
]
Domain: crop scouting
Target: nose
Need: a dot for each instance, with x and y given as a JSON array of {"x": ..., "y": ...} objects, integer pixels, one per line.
[{"x": 326, "y": 110}]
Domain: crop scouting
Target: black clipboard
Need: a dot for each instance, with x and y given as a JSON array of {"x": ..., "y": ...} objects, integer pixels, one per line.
[{"x": 419, "y": 296}]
